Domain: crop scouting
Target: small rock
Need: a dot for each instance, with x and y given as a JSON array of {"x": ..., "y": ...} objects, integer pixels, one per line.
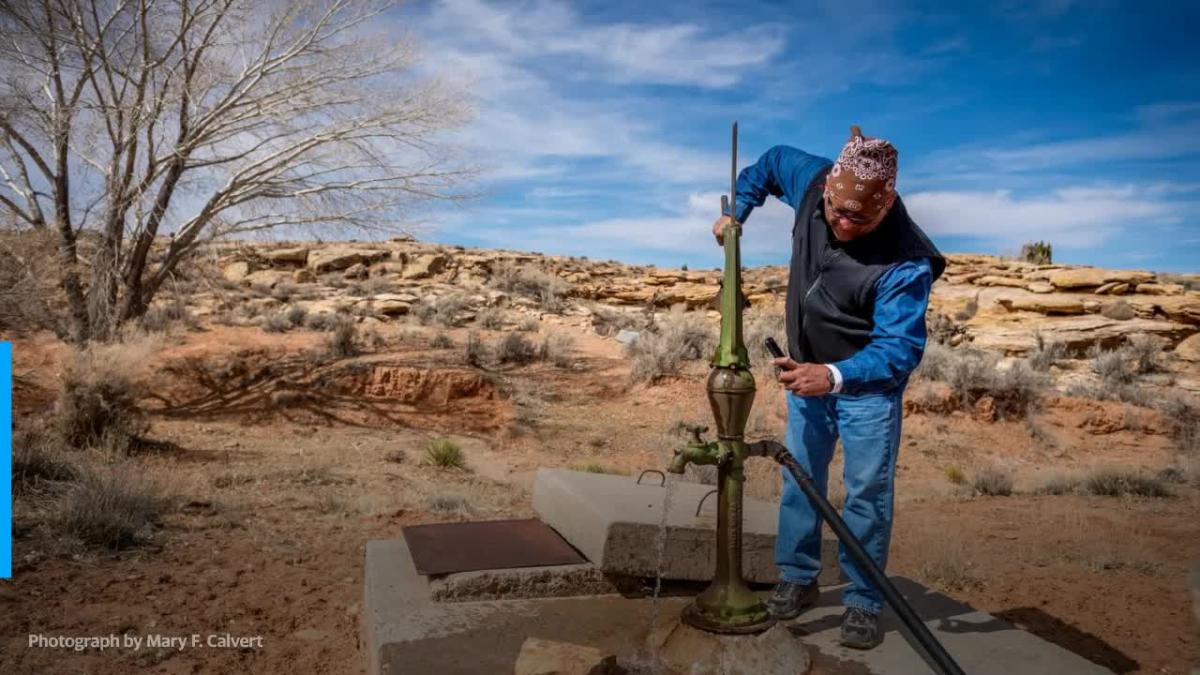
[
  {"x": 1189, "y": 349},
  {"x": 236, "y": 271},
  {"x": 1160, "y": 289},
  {"x": 304, "y": 276},
  {"x": 1039, "y": 287},
  {"x": 298, "y": 254},
  {"x": 355, "y": 271},
  {"x": 628, "y": 337},
  {"x": 546, "y": 657}
]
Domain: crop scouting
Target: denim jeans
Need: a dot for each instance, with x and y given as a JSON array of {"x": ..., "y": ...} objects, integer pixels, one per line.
[{"x": 869, "y": 426}]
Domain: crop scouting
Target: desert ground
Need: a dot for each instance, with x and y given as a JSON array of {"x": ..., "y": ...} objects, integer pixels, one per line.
[{"x": 220, "y": 468}]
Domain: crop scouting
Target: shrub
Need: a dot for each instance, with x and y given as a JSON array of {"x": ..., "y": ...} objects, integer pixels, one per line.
[
  {"x": 974, "y": 374},
  {"x": 443, "y": 311},
  {"x": 444, "y": 453},
  {"x": 969, "y": 310},
  {"x": 956, "y": 475},
  {"x": 1059, "y": 485},
  {"x": 296, "y": 315},
  {"x": 490, "y": 318},
  {"x": 161, "y": 316},
  {"x": 1045, "y": 354},
  {"x": 441, "y": 341},
  {"x": 476, "y": 351},
  {"x": 277, "y": 322},
  {"x": 110, "y": 507},
  {"x": 1111, "y": 367},
  {"x": 1185, "y": 423},
  {"x": 98, "y": 402},
  {"x": 993, "y": 482},
  {"x": 608, "y": 322},
  {"x": 760, "y": 325},
  {"x": 514, "y": 348},
  {"x": 342, "y": 343},
  {"x": 556, "y": 348},
  {"x": 529, "y": 325},
  {"x": 660, "y": 352},
  {"x": 322, "y": 321},
  {"x": 449, "y": 503},
  {"x": 1037, "y": 252},
  {"x": 549, "y": 290},
  {"x": 1117, "y": 483}
]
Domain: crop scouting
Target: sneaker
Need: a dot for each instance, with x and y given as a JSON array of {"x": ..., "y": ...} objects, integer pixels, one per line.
[
  {"x": 790, "y": 598},
  {"x": 860, "y": 629}
]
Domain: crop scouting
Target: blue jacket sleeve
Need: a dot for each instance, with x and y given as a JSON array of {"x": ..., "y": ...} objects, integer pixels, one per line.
[
  {"x": 782, "y": 171},
  {"x": 898, "y": 339}
]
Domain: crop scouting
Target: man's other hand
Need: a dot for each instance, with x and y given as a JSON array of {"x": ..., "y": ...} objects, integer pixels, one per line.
[
  {"x": 804, "y": 379},
  {"x": 719, "y": 229}
]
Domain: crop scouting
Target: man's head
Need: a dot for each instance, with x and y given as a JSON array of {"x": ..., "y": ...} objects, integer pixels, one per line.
[{"x": 861, "y": 186}]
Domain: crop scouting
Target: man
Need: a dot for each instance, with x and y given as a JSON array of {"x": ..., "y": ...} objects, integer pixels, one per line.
[{"x": 861, "y": 271}]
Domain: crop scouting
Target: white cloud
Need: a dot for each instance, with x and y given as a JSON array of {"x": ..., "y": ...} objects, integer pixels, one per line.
[
  {"x": 685, "y": 54},
  {"x": 1074, "y": 216}
]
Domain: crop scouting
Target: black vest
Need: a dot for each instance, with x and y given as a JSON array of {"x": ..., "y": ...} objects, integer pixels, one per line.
[{"x": 831, "y": 287}]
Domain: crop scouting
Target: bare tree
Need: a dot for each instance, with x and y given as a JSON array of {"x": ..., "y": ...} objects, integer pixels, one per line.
[{"x": 129, "y": 120}]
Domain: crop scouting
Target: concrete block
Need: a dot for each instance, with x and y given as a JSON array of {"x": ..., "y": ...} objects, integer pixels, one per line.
[{"x": 615, "y": 523}]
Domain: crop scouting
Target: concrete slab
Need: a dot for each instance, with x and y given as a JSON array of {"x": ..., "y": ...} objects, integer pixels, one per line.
[
  {"x": 615, "y": 523},
  {"x": 981, "y": 643},
  {"x": 406, "y": 631}
]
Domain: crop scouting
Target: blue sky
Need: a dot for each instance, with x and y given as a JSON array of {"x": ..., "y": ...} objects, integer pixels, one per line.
[{"x": 602, "y": 129}]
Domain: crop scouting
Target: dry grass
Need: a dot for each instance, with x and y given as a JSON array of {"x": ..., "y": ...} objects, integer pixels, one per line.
[
  {"x": 441, "y": 341},
  {"x": 947, "y": 567},
  {"x": 1059, "y": 485},
  {"x": 1122, "y": 483},
  {"x": 39, "y": 460},
  {"x": 110, "y": 507},
  {"x": 956, "y": 475}
]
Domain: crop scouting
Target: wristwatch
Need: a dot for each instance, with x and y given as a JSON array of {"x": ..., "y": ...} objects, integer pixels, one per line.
[{"x": 832, "y": 380}]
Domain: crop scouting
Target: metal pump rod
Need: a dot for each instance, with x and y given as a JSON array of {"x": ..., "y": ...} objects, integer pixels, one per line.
[{"x": 917, "y": 628}]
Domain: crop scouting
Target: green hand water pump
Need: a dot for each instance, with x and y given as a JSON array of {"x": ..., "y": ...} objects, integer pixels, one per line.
[{"x": 727, "y": 605}]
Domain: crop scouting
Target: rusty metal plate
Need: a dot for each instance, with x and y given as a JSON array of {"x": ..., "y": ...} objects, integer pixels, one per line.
[{"x": 445, "y": 548}]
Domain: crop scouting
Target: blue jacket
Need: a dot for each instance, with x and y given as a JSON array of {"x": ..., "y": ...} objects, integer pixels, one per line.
[{"x": 901, "y": 293}]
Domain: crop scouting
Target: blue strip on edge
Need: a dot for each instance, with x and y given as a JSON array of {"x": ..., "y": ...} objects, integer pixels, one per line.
[{"x": 6, "y": 531}]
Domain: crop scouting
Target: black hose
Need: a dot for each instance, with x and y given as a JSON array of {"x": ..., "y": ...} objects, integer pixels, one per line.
[{"x": 917, "y": 628}]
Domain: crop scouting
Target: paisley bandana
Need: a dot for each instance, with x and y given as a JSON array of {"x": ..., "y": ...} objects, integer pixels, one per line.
[{"x": 863, "y": 178}]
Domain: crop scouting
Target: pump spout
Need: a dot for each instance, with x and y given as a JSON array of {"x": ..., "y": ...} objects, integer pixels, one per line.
[{"x": 696, "y": 452}]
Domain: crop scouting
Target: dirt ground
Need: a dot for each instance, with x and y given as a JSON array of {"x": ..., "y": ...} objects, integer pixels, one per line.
[{"x": 284, "y": 468}]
